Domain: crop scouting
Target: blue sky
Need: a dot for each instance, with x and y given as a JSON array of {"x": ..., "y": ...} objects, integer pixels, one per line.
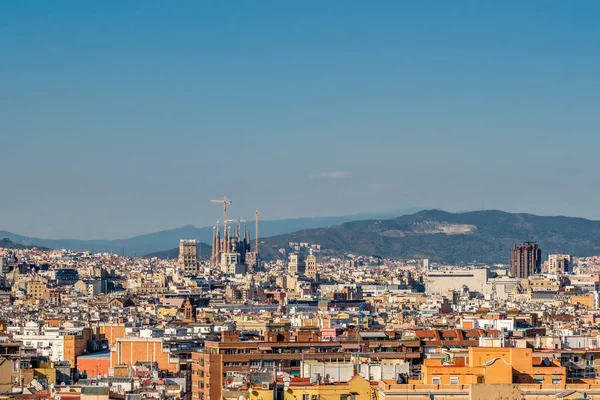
[{"x": 124, "y": 117}]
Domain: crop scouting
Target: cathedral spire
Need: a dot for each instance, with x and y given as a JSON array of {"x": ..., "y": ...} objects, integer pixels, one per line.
[
  {"x": 218, "y": 252},
  {"x": 214, "y": 246}
]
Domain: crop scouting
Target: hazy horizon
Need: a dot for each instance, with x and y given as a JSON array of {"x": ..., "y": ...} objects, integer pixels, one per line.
[
  {"x": 250, "y": 222},
  {"x": 124, "y": 118}
]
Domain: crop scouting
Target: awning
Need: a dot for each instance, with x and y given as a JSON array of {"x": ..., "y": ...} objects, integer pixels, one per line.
[
  {"x": 556, "y": 377},
  {"x": 538, "y": 377},
  {"x": 373, "y": 335},
  {"x": 350, "y": 345},
  {"x": 265, "y": 348}
]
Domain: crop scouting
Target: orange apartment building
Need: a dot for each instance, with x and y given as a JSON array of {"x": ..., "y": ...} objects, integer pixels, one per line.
[
  {"x": 76, "y": 345},
  {"x": 127, "y": 351},
  {"x": 493, "y": 365},
  {"x": 111, "y": 332},
  {"x": 487, "y": 373}
]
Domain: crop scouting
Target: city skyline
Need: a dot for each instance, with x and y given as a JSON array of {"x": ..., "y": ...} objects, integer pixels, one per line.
[{"x": 123, "y": 119}]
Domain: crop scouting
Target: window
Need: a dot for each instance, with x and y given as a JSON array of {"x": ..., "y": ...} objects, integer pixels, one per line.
[
  {"x": 304, "y": 397},
  {"x": 454, "y": 380},
  {"x": 538, "y": 379},
  {"x": 344, "y": 397},
  {"x": 436, "y": 380},
  {"x": 556, "y": 380}
]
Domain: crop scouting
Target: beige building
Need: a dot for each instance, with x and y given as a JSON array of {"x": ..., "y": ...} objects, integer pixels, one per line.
[
  {"x": 37, "y": 289},
  {"x": 540, "y": 283},
  {"x": 439, "y": 282},
  {"x": 188, "y": 258},
  {"x": 312, "y": 271},
  {"x": 559, "y": 264},
  {"x": 296, "y": 265}
]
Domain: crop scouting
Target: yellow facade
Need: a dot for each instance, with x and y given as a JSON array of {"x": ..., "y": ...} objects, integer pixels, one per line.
[
  {"x": 163, "y": 312},
  {"x": 45, "y": 373},
  {"x": 37, "y": 290},
  {"x": 356, "y": 388}
]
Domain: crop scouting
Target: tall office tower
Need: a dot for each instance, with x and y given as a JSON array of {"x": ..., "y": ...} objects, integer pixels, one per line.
[
  {"x": 559, "y": 264},
  {"x": 311, "y": 267},
  {"x": 296, "y": 265},
  {"x": 188, "y": 259},
  {"x": 525, "y": 260}
]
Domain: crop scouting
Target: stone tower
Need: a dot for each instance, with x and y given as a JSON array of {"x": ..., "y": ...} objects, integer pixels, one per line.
[{"x": 312, "y": 271}]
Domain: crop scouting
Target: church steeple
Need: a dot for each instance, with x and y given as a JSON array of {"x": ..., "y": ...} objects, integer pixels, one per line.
[{"x": 189, "y": 311}]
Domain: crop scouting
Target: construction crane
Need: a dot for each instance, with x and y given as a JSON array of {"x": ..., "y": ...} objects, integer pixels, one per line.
[
  {"x": 256, "y": 214},
  {"x": 223, "y": 201}
]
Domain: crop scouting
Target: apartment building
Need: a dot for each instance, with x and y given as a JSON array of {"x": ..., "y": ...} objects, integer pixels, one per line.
[{"x": 220, "y": 362}]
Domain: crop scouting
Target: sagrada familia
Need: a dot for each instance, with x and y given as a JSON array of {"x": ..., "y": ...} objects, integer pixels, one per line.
[{"x": 232, "y": 251}]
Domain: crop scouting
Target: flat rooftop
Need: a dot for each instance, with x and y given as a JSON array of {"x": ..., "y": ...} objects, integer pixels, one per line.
[{"x": 100, "y": 355}]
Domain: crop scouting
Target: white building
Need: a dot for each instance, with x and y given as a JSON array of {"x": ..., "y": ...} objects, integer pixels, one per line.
[
  {"x": 441, "y": 282},
  {"x": 559, "y": 264},
  {"x": 48, "y": 341},
  {"x": 231, "y": 264}
]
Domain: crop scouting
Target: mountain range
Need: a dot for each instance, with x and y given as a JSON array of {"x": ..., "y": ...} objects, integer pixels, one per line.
[
  {"x": 168, "y": 239},
  {"x": 6, "y": 243},
  {"x": 454, "y": 238}
]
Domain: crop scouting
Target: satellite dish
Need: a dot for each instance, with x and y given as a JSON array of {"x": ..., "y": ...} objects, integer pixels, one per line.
[{"x": 546, "y": 362}]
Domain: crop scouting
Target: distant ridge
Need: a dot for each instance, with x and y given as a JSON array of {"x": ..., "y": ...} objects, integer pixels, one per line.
[
  {"x": 453, "y": 238},
  {"x": 169, "y": 239},
  {"x": 6, "y": 243},
  {"x": 470, "y": 237}
]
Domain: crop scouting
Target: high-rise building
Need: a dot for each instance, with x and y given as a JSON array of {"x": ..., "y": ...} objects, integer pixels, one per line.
[
  {"x": 188, "y": 259},
  {"x": 525, "y": 260},
  {"x": 559, "y": 264},
  {"x": 312, "y": 271},
  {"x": 296, "y": 265}
]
